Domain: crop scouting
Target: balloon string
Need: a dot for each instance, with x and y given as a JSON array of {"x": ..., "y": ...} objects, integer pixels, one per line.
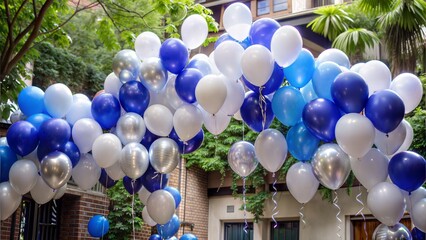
[
  {"x": 262, "y": 105},
  {"x": 302, "y": 215},
  {"x": 133, "y": 212},
  {"x": 244, "y": 205},
  {"x": 358, "y": 199},
  {"x": 274, "y": 210},
  {"x": 106, "y": 199},
  {"x": 242, "y": 124},
  {"x": 339, "y": 221}
]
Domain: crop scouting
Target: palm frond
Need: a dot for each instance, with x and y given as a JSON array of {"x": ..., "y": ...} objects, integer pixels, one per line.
[
  {"x": 354, "y": 41},
  {"x": 332, "y": 21},
  {"x": 376, "y": 6}
]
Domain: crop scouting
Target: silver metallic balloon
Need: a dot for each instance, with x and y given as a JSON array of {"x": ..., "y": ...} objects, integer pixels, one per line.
[
  {"x": 164, "y": 155},
  {"x": 126, "y": 60},
  {"x": 134, "y": 160},
  {"x": 152, "y": 74},
  {"x": 331, "y": 165},
  {"x": 9, "y": 200},
  {"x": 17, "y": 116},
  {"x": 242, "y": 158},
  {"x": 130, "y": 128},
  {"x": 397, "y": 232},
  {"x": 56, "y": 169},
  {"x": 126, "y": 76}
]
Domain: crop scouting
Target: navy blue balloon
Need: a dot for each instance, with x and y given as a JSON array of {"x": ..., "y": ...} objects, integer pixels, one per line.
[
  {"x": 170, "y": 228},
  {"x": 252, "y": 114},
  {"x": 189, "y": 146},
  {"x": 418, "y": 234},
  {"x": 302, "y": 145},
  {"x": 262, "y": 30},
  {"x": 132, "y": 186},
  {"x": 155, "y": 237},
  {"x": 175, "y": 193},
  {"x": 148, "y": 139},
  {"x": 174, "y": 55},
  {"x": 186, "y": 82},
  {"x": 271, "y": 85},
  {"x": 385, "y": 109},
  {"x": 55, "y": 133},
  {"x": 43, "y": 150},
  {"x": 22, "y": 137},
  {"x": 98, "y": 226},
  {"x": 201, "y": 65},
  {"x": 7, "y": 158},
  {"x": 300, "y": 72},
  {"x": 37, "y": 119},
  {"x": 349, "y": 92},
  {"x": 134, "y": 97},
  {"x": 72, "y": 151},
  {"x": 106, "y": 110},
  {"x": 320, "y": 117},
  {"x": 407, "y": 170},
  {"x": 188, "y": 236},
  {"x": 105, "y": 180},
  {"x": 151, "y": 179}
]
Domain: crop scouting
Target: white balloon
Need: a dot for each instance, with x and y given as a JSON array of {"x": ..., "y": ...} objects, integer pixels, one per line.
[
  {"x": 237, "y": 21},
  {"x": 112, "y": 85},
  {"x": 187, "y": 121},
  {"x": 377, "y": 76},
  {"x": 355, "y": 134},
  {"x": 106, "y": 150},
  {"x": 79, "y": 97},
  {"x": 158, "y": 120},
  {"x": 217, "y": 123},
  {"x": 144, "y": 195},
  {"x": 271, "y": 149},
  {"x": 194, "y": 31},
  {"x": 418, "y": 215},
  {"x": 301, "y": 182},
  {"x": 334, "y": 55},
  {"x": 215, "y": 70},
  {"x": 286, "y": 44},
  {"x": 41, "y": 192},
  {"x": 390, "y": 143},
  {"x": 58, "y": 100},
  {"x": 357, "y": 67},
  {"x": 146, "y": 218},
  {"x": 79, "y": 110},
  {"x": 147, "y": 45},
  {"x": 9, "y": 200},
  {"x": 161, "y": 98},
  {"x": 84, "y": 133},
  {"x": 60, "y": 192},
  {"x": 115, "y": 172},
  {"x": 408, "y": 137},
  {"x": 227, "y": 57},
  {"x": 33, "y": 158},
  {"x": 414, "y": 198},
  {"x": 234, "y": 96},
  {"x": 86, "y": 173},
  {"x": 386, "y": 202},
  {"x": 170, "y": 92},
  {"x": 257, "y": 64},
  {"x": 409, "y": 88},
  {"x": 370, "y": 169},
  {"x": 23, "y": 176},
  {"x": 161, "y": 206},
  {"x": 211, "y": 92},
  {"x": 237, "y": 116}
]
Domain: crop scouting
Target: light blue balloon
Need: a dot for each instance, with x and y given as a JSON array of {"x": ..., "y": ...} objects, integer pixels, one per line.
[
  {"x": 287, "y": 105},
  {"x": 308, "y": 92},
  {"x": 301, "y": 143},
  {"x": 300, "y": 72},
  {"x": 334, "y": 55},
  {"x": 323, "y": 77}
]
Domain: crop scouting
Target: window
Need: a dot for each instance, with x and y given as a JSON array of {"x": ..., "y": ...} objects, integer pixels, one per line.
[
  {"x": 285, "y": 230},
  {"x": 262, "y": 7},
  {"x": 370, "y": 225},
  {"x": 236, "y": 231},
  {"x": 320, "y": 3},
  {"x": 280, "y": 5}
]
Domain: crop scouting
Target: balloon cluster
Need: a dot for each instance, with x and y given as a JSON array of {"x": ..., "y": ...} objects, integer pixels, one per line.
[{"x": 156, "y": 101}]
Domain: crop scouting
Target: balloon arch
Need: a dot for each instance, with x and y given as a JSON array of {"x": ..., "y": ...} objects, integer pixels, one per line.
[{"x": 155, "y": 103}]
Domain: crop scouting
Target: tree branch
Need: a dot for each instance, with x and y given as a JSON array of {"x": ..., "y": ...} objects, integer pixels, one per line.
[
  {"x": 18, "y": 11},
  {"x": 109, "y": 16}
]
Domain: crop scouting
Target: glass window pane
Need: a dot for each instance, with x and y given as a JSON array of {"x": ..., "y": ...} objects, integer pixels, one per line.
[
  {"x": 236, "y": 231},
  {"x": 280, "y": 5},
  {"x": 262, "y": 7},
  {"x": 286, "y": 230}
]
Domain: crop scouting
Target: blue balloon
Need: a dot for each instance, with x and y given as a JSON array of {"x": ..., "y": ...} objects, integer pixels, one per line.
[
  {"x": 201, "y": 65},
  {"x": 186, "y": 82},
  {"x": 170, "y": 228},
  {"x": 188, "y": 236},
  {"x": 174, "y": 55},
  {"x": 55, "y": 133},
  {"x": 175, "y": 193},
  {"x": 385, "y": 109},
  {"x": 132, "y": 186},
  {"x": 271, "y": 85},
  {"x": 320, "y": 117},
  {"x": 287, "y": 105},
  {"x": 134, "y": 97},
  {"x": 151, "y": 179},
  {"x": 226, "y": 37},
  {"x": 253, "y": 110},
  {"x": 301, "y": 143},
  {"x": 350, "y": 92},
  {"x": 37, "y": 119},
  {"x": 22, "y": 138},
  {"x": 262, "y": 30},
  {"x": 418, "y": 234},
  {"x": 300, "y": 72},
  {"x": 148, "y": 139},
  {"x": 407, "y": 170},
  {"x": 323, "y": 77},
  {"x": 106, "y": 110},
  {"x": 191, "y": 145},
  {"x": 155, "y": 237},
  {"x": 308, "y": 92},
  {"x": 43, "y": 150},
  {"x": 106, "y": 181},
  {"x": 7, "y": 159},
  {"x": 31, "y": 100},
  {"x": 72, "y": 151},
  {"x": 98, "y": 226}
]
